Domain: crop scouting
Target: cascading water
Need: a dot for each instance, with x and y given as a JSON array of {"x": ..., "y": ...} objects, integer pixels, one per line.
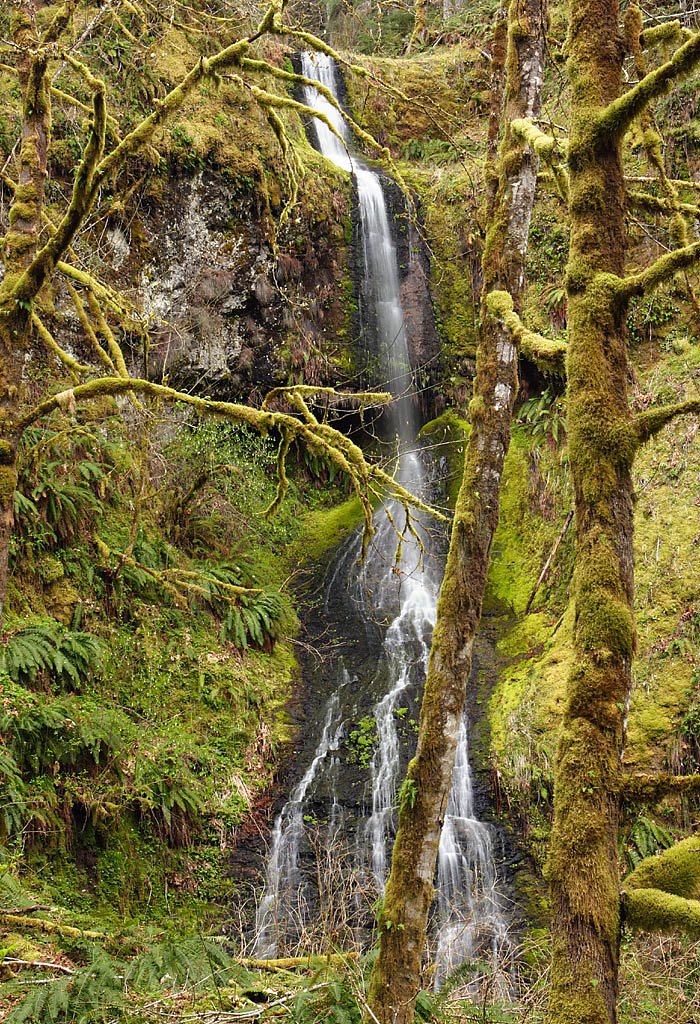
[
  {"x": 284, "y": 897},
  {"x": 397, "y": 601}
]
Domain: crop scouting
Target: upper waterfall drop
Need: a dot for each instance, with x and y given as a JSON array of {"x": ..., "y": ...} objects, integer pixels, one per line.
[{"x": 381, "y": 275}]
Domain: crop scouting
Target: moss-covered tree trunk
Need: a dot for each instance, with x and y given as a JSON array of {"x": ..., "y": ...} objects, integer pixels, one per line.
[
  {"x": 396, "y": 978},
  {"x": 603, "y": 437},
  {"x": 20, "y": 246}
]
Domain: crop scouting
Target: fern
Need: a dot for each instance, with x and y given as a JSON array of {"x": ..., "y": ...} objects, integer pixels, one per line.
[
  {"x": 13, "y": 794},
  {"x": 91, "y": 995},
  {"x": 647, "y": 838},
  {"x": 328, "y": 997},
  {"x": 255, "y": 620},
  {"x": 62, "y": 731},
  {"x": 195, "y": 962},
  {"x": 104, "y": 988},
  {"x": 62, "y": 480},
  {"x": 48, "y": 650}
]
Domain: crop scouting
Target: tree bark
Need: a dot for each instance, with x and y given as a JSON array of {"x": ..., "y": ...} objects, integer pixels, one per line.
[
  {"x": 396, "y": 977},
  {"x": 583, "y": 867},
  {"x": 20, "y": 246}
]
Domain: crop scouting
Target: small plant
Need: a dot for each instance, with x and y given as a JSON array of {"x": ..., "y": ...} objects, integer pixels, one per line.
[
  {"x": 49, "y": 653},
  {"x": 361, "y": 741},
  {"x": 646, "y": 838},
  {"x": 544, "y": 417},
  {"x": 408, "y": 794},
  {"x": 63, "y": 478},
  {"x": 106, "y": 987}
]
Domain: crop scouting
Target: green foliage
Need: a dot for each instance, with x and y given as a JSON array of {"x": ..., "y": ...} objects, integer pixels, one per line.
[
  {"x": 651, "y": 316},
  {"x": 63, "y": 477},
  {"x": 408, "y": 794},
  {"x": 44, "y": 733},
  {"x": 646, "y": 838},
  {"x": 256, "y": 620},
  {"x": 104, "y": 988},
  {"x": 361, "y": 741},
  {"x": 49, "y": 653},
  {"x": 434, "y": 151},
  {"x": 548, "y": 248},
  {"x": 545, "y": 418},
  {"x": 184, "y": 151},
  {"x": 13, "y": 793},
  {"x": 327, "y": 997}
]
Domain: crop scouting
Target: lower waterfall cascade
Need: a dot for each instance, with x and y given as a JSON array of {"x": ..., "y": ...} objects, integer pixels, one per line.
[{"x": 378, "y": 684}]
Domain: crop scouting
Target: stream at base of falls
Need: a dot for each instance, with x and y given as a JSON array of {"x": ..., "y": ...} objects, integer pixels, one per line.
[{"x": 330, "y": 847}]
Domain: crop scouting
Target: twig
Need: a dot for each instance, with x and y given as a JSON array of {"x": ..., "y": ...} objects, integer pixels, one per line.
[
  {"x": 548, "y": 564},
  {"x": 37, "y": 963}
]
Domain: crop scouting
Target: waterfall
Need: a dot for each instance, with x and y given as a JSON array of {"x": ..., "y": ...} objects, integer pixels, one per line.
[
  {"x": 398, "y": 602},
  {"x": 283, "y": 901}
]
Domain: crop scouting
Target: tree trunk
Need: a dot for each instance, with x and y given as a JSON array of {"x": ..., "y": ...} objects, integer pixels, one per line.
[
  {"x": 20, "y": 245},
  {"x": 583, "y": 865},
  {"x": 396, "y": 977}
]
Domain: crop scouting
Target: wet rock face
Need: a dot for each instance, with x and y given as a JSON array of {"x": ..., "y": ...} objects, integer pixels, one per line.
[
  {"x": 228, "y": 315},
  {"x": 199, "y": 287},
  {"x": 414, "y": 272}
]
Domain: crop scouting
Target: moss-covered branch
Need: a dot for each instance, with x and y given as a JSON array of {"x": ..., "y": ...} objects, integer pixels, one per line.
[
  {"x": 663, "y": 892},
  {"x": 318, "y": 437},
  {"x": 647, "y": 424},
  {"x": 59, "y": 23},
  {"x": 100, "y": 291},
  {"x": 548, "y": 355},
  {"x": 40, "y": 924},
  {"x": 361, "y": 399},
  {"x": 52, "y": 345},
  {"x": 661, "y": 204},
  {"x": 676, "y": 870},
  {"x": 659, "y": 271},
  {"x": 22, "y": 238},
  {"x": 84, "y": 191},
  {"x": 652, "y": 910},
  {"x": 651, "y": 788},
  {"x": 645, "y": 179},
  {"x": 546, "y": 148},
  {"x": 668, "y": 32},
  {"x": 619, "y": 115},
  {"x": 89, "y": 331}
]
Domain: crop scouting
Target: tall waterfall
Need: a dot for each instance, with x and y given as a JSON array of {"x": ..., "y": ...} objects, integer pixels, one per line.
[{"x": 397, "y": 603}]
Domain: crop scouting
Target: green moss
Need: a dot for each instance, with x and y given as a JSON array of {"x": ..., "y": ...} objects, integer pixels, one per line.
[
  {"x": 448, "y": 212},
  {"x": 446, "y": 437},
  {"x": 325, "y": 530},
  {"x": 399, "y": 121},
  {"x": 676, "y": 870},
  {"x": 8, "y": 483},
  {"x": 523, "y": 539}
]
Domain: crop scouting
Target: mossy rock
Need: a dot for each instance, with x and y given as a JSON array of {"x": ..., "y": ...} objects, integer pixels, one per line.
[{"x": 446, "y": 436}]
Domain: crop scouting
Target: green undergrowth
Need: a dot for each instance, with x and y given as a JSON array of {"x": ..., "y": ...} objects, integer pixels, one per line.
[
  {"x": 445, "y": 437},
  {"x": 424, "y": 108},
  {"x": 147, "y": 657},
  {"x": 526, "y": 703}
]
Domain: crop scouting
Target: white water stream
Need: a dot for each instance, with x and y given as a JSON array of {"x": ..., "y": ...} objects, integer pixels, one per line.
[{"x": 470, "y": 920}]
